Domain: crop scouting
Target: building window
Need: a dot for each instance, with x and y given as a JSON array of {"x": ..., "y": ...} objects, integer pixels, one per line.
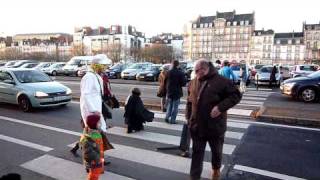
[
  {"x": 234, "y": 23},
  {"x": 241, "y": 23},
  {"x": 298, "y": 41},
  {"x": 206, "y": 25},
  {"x": 194, "y": 25},
  {"x": 289, "y": 41},
  {"x": 201, "y": 25},
  {"x": 210, "y": 24},
  {"x": 228, "y": 23},
  {"x": 247, "y": 22},
  {"x": 278, "y": 41}
]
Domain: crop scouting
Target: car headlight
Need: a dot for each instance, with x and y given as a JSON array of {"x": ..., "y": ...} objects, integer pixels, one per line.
[
  {"x": 40, "y": 94},
  {"x": 289, "y": 85},
  {"x": 69, "y": 91},
  {"x": 150, "y": 74}
]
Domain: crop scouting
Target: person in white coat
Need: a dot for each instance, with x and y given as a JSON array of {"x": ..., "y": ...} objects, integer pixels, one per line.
[{"x": 91, "y": 89}]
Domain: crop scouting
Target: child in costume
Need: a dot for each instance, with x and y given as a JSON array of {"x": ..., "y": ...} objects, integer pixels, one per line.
[{"x": 91, "y": 144}]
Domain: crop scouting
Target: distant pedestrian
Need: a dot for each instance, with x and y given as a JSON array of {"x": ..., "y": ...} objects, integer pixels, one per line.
[
  {"x": 218, "y": 63},
  {"x": 175, "y": 81},
  {"x": 227, "y": 72},
  {"x": 273, "y": 79},
  {"x": 162, "y": 91},
  {"x": 243, "y": 78},
  {"x": 211, "y": 95},
  {"x": 91, "y": 144},
  {"x": 135, "y": 113}
]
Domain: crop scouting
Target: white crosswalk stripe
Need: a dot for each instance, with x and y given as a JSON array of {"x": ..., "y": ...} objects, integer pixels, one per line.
[{"x": 155, "y": 132}]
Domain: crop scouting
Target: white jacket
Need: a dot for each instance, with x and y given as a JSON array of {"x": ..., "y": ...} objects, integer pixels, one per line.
[{"x": 90, "y": 99}]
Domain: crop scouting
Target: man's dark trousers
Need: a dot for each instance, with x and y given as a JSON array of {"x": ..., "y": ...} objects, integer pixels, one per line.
[{"x": 198, "y": 150}]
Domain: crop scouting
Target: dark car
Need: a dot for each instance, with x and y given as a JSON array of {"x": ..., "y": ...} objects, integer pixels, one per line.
[
  {"x": 150, "y": 73},
  {"x": 305, "y": 88},
  {"x": 115, "y": 70},
  {"x": 22, "y": 62}
]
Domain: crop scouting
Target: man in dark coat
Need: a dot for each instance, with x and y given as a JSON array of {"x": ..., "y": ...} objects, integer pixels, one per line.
[
  {"x": 175, "y": 81},
  {"x": 211, "y": 95}
]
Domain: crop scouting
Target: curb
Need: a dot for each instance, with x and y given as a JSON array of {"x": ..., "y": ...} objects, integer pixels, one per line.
[{"x": 259, "y": 116}]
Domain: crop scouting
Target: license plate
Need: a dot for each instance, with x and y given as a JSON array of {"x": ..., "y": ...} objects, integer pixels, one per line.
[{"x": 59, "y": 98}]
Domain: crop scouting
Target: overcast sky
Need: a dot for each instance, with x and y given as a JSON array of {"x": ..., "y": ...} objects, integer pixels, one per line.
[{"x": 149, "y": 16}]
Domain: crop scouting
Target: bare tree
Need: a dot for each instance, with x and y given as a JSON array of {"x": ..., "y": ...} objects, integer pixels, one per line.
[{"x": 158, "y": 53}]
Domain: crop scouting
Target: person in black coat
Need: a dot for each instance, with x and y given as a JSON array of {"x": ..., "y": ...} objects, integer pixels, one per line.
[{"x": 135, "y": 112}]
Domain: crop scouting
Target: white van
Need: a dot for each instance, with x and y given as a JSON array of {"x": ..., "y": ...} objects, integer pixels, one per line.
[{"x": 80, "y": 63}]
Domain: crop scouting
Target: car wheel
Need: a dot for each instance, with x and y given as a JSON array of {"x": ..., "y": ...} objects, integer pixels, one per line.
[
  {"x": 24, "y": 103},
  {"x": 54, "y": 73},
  {"x": 308, "y": 95}
]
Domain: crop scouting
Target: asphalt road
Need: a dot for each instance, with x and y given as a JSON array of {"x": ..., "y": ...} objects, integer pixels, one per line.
[{"x": 274, "y": 151}]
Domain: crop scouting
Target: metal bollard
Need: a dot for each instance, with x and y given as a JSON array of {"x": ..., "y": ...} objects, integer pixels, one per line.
[{"x": 257, "y": 83}]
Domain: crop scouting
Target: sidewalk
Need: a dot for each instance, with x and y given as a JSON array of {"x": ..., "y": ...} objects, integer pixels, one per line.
[{"x": 281, "y": 109}]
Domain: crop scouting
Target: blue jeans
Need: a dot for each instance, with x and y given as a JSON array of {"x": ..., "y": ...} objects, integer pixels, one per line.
[{"x": 172, "y": 109}]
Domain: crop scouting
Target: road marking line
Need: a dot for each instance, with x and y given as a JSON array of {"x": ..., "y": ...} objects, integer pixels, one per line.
[
  {"x": 266, "y": 173},
  {"x": 251, "y": 102},
  {"x": 161, "y": 138},
  {"x": 248, "y": 105},
  {"x": 156, "y": 159},
  {"x": 178, "y": 127},
  {"x": 276, "y": 125},
  {"x": 40, "y": 126},
  {"x": 26, "y": 143},
  {"x": 62, "y": 169},
  {"x": 253, "y": 98}
]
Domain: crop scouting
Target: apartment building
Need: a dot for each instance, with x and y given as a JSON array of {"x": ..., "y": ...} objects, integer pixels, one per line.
[
  {"x": 225, "y": 36},
  {"x": 289, "y": 48},
  {"x": 312, "y": 41},
  {"x": 261, "y": 47},
  {"x": 49, "y": 43},
  {"x": 124, "y": 39}
]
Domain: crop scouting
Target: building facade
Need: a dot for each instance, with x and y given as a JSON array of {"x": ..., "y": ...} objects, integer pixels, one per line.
[
  {"x": 122, "y": 40},
  {"x": 57, "y": 45},
  {"x": 225, "y": 36},
  {"x": 312, "y": 41},
  {"x": 261, "y": 47},
  {"x": 289, "y": 48}
]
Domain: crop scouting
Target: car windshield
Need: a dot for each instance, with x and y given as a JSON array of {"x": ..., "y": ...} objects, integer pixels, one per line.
[
  {"x": 267, "y": 69},
  {"x": 315, "y": 75},
  {"x": 31, "y": 76},
  {"x": 116, "y": 66},
  {"x": 258, "y": 66},
  {"x": 137, "y": 66},
  {"x": 308, "y": 68},
  {"x": 74, "y": 62}
]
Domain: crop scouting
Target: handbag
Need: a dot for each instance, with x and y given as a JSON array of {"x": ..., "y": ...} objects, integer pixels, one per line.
[
  {"x": 106, "y": 143},
  {"x": 106, "y": 112}
]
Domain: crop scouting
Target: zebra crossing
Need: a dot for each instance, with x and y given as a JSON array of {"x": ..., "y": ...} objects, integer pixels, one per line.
[{"x": 135, "y": 155}]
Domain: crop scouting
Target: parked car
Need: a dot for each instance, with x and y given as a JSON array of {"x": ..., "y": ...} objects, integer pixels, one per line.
[
  {"x": 151, "y": 73},
  {"x": 42, "y": 65},
  {"x": 10, "y": 63},
  {"x": 29, "y": 65},
  {"x": 55, "y": 69},
  {"x": 303, "y": 70},
  {"x": 132, "y": 71},
  {"x": 262, "y": 76},
  {"x": 306, "y": 88},
  {"x": 255, "y": 68},
  {"x": 31, "y": 89},
  {"x": 81, "y": 63},
  {"x": 236, "y": 71},
  {"x": 19, "y": 63},
  {"x": 115, "y": 70},
  {"x": 285, "y": 72}
]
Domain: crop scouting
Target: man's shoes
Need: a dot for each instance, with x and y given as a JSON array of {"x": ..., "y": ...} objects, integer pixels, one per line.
[
  {"x": 106, "y": 163},
  {"x": 185, "y": 154},
  {"x": 216, "y": 174},
  {"x": 74, "y": 153}
]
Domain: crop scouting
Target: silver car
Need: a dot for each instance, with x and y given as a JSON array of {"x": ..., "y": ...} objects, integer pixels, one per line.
[
  {"x": 262, "y": 77},
  {"x": 31, "y": 89}
]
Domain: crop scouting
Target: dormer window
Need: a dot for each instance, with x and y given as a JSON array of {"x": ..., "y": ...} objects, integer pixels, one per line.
[
  {"x": 247, "y": 22},
  {"x": 194, "y": 25},
  {"x": 228, "y": 23},
  {"x": 201, "y": 25},
  {"x": 206, "y": 25},
  {"x": 241, "y": 23},
  {"x": 234, "y": 23}
]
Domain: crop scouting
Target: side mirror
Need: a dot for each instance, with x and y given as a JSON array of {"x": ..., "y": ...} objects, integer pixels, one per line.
[{"x": 9, "y": 81}]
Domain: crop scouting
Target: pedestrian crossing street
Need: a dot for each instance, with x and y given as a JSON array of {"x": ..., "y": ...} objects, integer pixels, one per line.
[{"x": 135, "y": 155}]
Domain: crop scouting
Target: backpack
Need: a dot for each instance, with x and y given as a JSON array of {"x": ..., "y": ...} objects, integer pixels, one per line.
[{"x": 90, "y": 152}]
